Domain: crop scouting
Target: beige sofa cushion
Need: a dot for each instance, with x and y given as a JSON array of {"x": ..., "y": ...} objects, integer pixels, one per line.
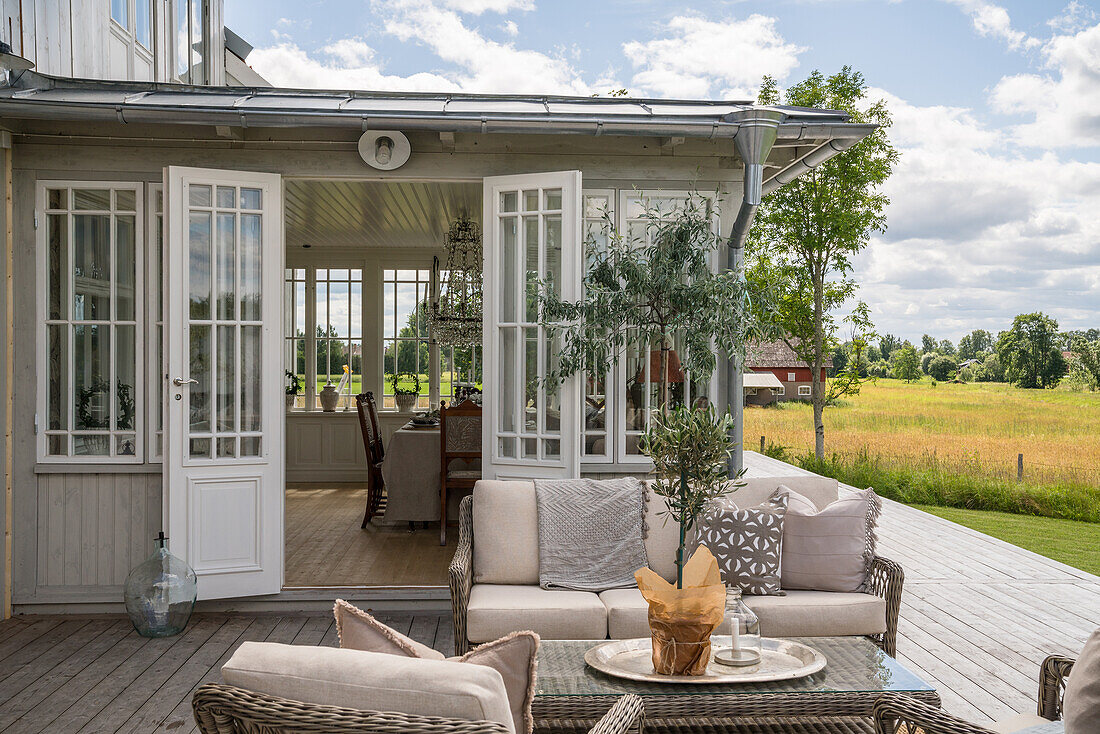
[
  {"x": 1019, "y": 724},
  {"x": 799, "y": 614},
  {"x": 1081, "y": 703},
  {"x": 497, "y": 609},
  {"x": 506, "y": 534},
  {"x": 514, "y": 656},
  {"x": 370, "y": 681},
  {"x": 662, "y": 537},
  {"x": 820, "y": 490},
  {"x": 829, "y": 549}
]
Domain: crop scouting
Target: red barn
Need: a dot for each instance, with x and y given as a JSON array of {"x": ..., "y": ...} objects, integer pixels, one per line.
[{"x": 780, "y": 360}]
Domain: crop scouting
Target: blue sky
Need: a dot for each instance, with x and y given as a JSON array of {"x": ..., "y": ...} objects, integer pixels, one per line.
[{"x": 996, "y": 104}]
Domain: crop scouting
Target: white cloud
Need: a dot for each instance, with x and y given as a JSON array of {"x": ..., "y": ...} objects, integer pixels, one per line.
[
  {"x": 345, "y": 64},
  {"x": 980, "y": 229},
  {"x": 993, "y": 21},
  {"x": 703, "y": 58},
  {"x": 510, "y": 27},
  {"x": 1064, "y": 103},
  {"x": 477, "y": 7},
  {"x": 1073, "y": 19}
]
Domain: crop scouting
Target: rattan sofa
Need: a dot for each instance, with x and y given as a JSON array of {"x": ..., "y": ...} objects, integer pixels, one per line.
[
  {"x": 895, "y": 713},
  {"x": 620, "y": 613},
  {"x": 222, "y": 709}
]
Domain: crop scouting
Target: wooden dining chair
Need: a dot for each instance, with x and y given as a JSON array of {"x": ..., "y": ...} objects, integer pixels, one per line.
[
  {"x": 372, "y": 445},
  {"x": 459, "y": 441}
]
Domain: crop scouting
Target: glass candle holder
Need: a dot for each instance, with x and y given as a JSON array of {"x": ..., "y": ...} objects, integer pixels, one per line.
[{"x": 742, "y": 646}]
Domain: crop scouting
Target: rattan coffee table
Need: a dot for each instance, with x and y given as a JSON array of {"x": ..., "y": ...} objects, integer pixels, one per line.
[{"x": 571, "y": 696}]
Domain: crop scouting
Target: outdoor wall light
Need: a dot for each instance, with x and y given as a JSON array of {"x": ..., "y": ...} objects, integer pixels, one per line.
[{"x": 384, "y": 149}]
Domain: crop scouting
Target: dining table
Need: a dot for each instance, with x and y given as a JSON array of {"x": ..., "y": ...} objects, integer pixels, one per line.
[{"x": 411, "y": 474}]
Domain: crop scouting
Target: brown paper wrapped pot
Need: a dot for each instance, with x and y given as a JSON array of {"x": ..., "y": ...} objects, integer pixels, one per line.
[{"x": 682, "y": 620}]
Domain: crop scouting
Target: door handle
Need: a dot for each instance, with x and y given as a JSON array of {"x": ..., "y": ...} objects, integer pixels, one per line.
[{"x": 180, "y": 382}]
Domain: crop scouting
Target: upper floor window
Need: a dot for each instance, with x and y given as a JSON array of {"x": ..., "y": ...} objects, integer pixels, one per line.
[
  {"x": 189, "y": 24},
  {"x": 129, "y": 53},
  {"x": 90, "y": 302}
]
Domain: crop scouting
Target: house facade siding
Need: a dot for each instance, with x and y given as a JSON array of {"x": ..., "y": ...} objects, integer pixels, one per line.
[
  {"x": 803, "y": 377},
  {"x": 78, "y": 529}
]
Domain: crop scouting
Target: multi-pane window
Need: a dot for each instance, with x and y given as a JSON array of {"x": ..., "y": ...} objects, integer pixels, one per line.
[
  {"x": 405, "y": 351},
  {"x": 460, "y": 372},
  {"x": 189, "y": 26},
  {"x": 91, "y": 260},
  {"x": 597, "y": 438},
  {"x": 155, "y": 332},
  {"x": 324, "y": 332}
]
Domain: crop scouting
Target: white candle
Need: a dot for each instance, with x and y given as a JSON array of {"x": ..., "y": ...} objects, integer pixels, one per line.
[{"x": 735, "y": 634}]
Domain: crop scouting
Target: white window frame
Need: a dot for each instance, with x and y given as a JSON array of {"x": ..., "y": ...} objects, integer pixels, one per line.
[
  {"x": 778, "y": 391},
  {"x": 127, "y": 34},
  {"x": 42, "y": 331},
  {"x": 154, "y": 328},
  {"x": 621, "y": 224},
  {"x": 791, "y": 377},
  {"x": 804, "y": 391},
  {"x": 611, "y": 394},
  {"x": 208, "y": 36},
  {"x": 417, "y": 264}
]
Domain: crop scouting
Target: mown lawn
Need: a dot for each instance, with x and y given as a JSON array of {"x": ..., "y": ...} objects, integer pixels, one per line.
[{"x": 1072, "y": 542}]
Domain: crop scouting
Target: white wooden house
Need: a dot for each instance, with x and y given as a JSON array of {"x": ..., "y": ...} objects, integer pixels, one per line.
[{"x": 172, "y": 248}]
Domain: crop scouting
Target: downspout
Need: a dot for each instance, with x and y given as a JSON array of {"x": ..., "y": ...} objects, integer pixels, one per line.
[
  {"x": 6, "y": 148},
  {"x": 754, "y": 139}
]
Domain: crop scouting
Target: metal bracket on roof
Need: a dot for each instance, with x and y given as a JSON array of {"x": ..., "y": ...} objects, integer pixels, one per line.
[
  {"x": 244, "y": 119},
  {"x": 118, "y": 113},
  {"x": 134, "y": 97},
  {"x": 447, "y": 140},
  {"x": 366, "y": 123},
  {"x": 484, "y": 124},
  {"x": 599, "y": 127},
  {"x": 546, "y": 105},
  {"x": 713, "y": 130}
]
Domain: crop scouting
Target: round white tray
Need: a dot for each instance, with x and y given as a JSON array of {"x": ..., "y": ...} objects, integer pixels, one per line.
[{"x": 633, "y": 660}]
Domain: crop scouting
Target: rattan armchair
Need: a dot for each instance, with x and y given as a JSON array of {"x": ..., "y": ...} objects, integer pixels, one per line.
[
  {"x": 887, "y": 579},
  {"x": 897, "y": 714},
  {"x": 221, "y": 709}
]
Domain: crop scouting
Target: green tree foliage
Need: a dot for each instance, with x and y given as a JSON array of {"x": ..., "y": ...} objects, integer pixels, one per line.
[
  {"x": 887, "y": 344},
  {"x": 975, "y": 344},
  {"x": 942, "y": 367},
  {"x": 648, "y": 291},
  {"x": 927, "y": 344},
  {"x": 925, "y": 360},
  {"x": 906, "y": 364},
  {"x": 806, "y": 233},
  {"x": 840, "y": 360},
  {"x": 946, "y": 347},
  {"x": 1084, "y": 365},
  {"x": 1030, "y": 352},
  {"x": 873, "y": 354},
  {"x": 993, "y": 370},
  {"x": 878, "y": 369}
]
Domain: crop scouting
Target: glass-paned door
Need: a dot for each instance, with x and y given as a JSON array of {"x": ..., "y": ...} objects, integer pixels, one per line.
[
  {"x": 533, "y": 239},
  {"x": 224, "y": 429}
]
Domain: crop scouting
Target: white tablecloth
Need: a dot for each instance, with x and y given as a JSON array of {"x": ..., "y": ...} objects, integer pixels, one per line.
[{"x": 411, "y": 473}]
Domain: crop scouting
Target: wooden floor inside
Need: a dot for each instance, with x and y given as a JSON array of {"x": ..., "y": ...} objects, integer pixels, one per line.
[
  {"x": 978, "y": 616},
  {"x": 326, "y": 547}
]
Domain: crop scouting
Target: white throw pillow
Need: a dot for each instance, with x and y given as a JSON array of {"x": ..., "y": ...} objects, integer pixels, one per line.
[{"x": 829, "y": 549}]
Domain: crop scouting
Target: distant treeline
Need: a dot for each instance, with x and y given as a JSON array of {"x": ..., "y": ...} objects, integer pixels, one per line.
[{"x": 1031, "y": 353}]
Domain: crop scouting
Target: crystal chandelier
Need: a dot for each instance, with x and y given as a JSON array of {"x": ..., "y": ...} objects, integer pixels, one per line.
[{"x": 455, "y": 317}]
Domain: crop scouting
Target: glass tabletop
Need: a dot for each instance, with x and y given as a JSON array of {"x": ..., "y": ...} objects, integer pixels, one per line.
[{"x": 854, "y": 665}]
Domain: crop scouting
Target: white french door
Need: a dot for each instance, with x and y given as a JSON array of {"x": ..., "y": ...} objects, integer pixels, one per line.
[
  {"x": 532, "y": 235},
  {"x": 223, "y": 464}
]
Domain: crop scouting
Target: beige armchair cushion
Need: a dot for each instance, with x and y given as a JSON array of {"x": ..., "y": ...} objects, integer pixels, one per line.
[
  {"x": 496, "y": 610},
  {"x": 1081, "y": 704},
  {"x": 506, "y": 533},
  {"x": 799, "y": 614},
  {"x": 371, "y": 681},
  {"x": 358, "y": 630},
  {"x": 1023, "y": 724}
]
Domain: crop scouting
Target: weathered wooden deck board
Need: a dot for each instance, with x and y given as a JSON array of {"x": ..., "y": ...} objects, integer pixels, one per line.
[{"x": 978, "y": 616}]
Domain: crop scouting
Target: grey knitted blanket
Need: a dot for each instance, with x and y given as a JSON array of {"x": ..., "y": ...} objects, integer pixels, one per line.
[{"x": 591, "y": 533}]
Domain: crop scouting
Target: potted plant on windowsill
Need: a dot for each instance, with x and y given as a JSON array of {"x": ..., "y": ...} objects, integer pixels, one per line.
[
  {"x": 406, "y": 397},
  {"x": 293, "y": 388}
]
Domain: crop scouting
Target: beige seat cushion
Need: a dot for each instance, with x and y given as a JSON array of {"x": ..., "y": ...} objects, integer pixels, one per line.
[
  {"x": 820, "y": 490},
  {"x": 1018, "y": 723},
  {"x": 358, "y": 630},
  {"x": 799, "y": 614},
  {"x": 1081, "y": 704},
  {"x": 506, "y": 534},
  {"x": 497, "y": 610},
  {"x": 370, "y": 681},
  {"x": 819, "y": 614}
]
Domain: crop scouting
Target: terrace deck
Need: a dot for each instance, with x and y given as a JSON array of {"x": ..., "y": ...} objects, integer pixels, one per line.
[{"x": 978, "y": 616}]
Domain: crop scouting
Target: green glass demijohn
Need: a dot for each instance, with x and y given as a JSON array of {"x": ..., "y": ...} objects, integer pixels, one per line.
[{"x": 160, "y": 593}]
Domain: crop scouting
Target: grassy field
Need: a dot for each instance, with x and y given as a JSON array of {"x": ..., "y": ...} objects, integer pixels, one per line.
[
  {"x": 1074, "y": 543},
  {"x": 977, "y": 429}
]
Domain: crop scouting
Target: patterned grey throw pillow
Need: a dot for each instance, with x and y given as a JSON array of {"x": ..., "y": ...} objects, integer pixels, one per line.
[{"x": 747, "y": 542}]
